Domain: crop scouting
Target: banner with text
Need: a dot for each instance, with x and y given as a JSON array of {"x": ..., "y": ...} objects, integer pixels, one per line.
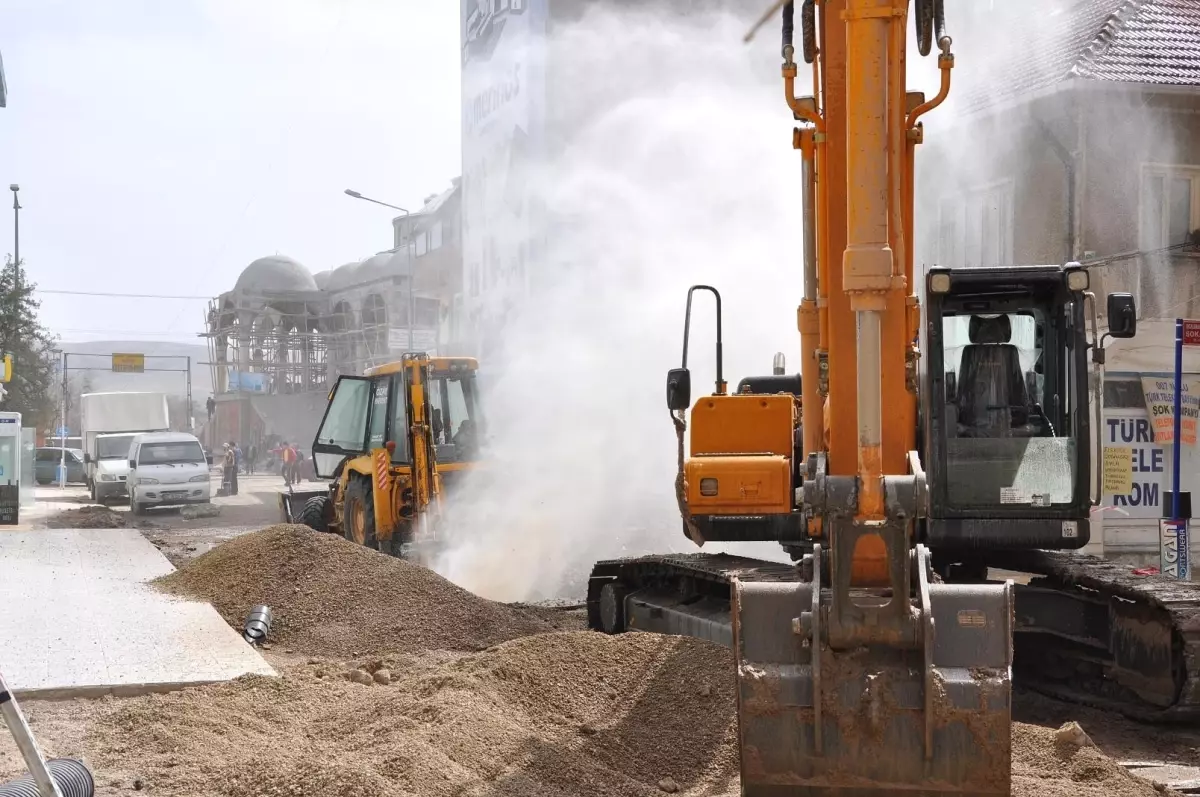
[
  {"x": 1174, "y": 549},
  {"x": 1129, "y": 443},
  {"x": 1160, "y": 403}
]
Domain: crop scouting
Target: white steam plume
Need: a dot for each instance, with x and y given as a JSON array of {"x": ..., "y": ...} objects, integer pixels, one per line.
[{"x": 683, "y": 174}]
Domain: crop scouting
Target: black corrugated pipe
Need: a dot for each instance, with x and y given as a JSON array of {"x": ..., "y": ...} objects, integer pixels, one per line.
[
  {"x": 789, "y": 26},
  {"x": 72, "y": 778}
]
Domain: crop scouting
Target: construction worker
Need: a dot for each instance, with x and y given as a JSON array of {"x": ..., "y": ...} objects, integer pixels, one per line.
[
  {"x": 288, "y": 454},
  {"x": 228, "y": 470}
]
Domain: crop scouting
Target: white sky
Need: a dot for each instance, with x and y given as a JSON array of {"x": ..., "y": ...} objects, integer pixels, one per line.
[{"x": 162, "y": 146}]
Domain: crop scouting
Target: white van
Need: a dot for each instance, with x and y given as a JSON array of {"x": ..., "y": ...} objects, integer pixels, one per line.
[{"x": 167, "y": 469}]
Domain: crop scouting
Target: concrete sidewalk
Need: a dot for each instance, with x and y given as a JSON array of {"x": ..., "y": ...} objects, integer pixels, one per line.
[{"x": 77, "y": 619}]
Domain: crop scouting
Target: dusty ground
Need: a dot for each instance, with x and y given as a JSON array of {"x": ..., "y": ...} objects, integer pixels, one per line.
[
  {"x": 172, "y": 531},
  {"x": 407, "y": 695}
]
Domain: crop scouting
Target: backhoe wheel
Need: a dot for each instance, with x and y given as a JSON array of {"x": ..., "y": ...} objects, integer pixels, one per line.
[
  {"x": 358, "y": 514},
  {"x": 612, "y": 608},
  {"x": 316, "y": 513}
]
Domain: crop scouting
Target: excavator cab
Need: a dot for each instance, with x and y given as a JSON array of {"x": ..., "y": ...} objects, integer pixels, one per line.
[{"x": 1008, "y": 425}]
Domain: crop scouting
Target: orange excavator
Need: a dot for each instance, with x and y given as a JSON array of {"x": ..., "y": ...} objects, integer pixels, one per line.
[{"x": 922, "y": 447}]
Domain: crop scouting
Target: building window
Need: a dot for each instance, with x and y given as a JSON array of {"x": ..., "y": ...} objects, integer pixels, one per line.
[
  {"x": 422, "y": 243},
  {"x": 1170, "y": 205},
  {"x": 435, "y": 236},
  {"x": 975, "y": 228}
]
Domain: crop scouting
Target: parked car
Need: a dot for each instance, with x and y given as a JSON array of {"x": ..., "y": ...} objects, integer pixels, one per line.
[{"x": 46, "y": 462}]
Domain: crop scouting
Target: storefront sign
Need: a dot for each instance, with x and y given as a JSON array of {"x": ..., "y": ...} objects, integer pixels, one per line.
[
  {"x": 1144, "y": 495},
  {"x": 1160, "y": 402},
  {"x": 1174, "y": 552}
]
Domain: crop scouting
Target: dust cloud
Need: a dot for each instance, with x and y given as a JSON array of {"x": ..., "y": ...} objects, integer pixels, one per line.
[{"x": 677, "y": 169}]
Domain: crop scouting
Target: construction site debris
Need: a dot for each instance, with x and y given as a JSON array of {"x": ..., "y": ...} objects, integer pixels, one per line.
[
  {"x": 506, "y": 719},
  {"x": 195, "y": 511},
  {"x": 331, "y": 597},
  {"x": 87, "y": 517},
  {"x": 559, "y": 714},
  {"x": 1071, "y": 735}
]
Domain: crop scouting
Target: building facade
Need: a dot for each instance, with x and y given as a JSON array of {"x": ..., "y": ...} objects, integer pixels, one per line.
[{"x": 283, "y": 334}]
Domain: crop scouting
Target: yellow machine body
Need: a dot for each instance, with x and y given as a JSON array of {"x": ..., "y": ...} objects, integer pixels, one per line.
[{"x": 380, "y": 440}]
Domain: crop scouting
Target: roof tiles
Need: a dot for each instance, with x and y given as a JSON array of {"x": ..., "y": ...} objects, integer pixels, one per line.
[{"x": 1134, "y": 41}]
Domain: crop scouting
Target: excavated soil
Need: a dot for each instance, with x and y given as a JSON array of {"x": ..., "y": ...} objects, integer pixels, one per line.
[
  {"x": 573, "y": 713},
  {"x": 331, "y": 597},
  {"x": 87, "y": 517},
  {"x": 570, "y": 714},
  {"x": 1044, "y": 766}
]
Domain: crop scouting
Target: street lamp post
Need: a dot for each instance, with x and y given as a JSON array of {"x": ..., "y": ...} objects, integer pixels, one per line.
[
  {"x": 16, "y": 224},
  {"x": 412, "y": 345}
]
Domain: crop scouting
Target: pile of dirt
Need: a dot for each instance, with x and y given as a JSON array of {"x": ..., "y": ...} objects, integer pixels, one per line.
[
  {"x": 560, "y": 714},
  {"x": 87, "y": 517},
  {"x": 1050, "y": 764},
  {"x": 331, "y": 597}
]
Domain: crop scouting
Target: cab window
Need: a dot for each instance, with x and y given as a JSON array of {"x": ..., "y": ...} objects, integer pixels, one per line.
[
  {"x": 400, "y": 420},
  {"x": 343, "y": 430}
]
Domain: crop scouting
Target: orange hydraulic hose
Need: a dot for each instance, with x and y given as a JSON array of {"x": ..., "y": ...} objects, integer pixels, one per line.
[
  {"x": 945, "y": 64},
  {"x": 789, "y": 94}
]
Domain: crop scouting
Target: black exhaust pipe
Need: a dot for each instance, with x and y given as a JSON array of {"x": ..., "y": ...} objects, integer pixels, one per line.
[{"x": 71, "y": 776}]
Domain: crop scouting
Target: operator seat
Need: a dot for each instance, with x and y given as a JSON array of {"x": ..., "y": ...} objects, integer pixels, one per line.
[{"x": 991, "y": 388}]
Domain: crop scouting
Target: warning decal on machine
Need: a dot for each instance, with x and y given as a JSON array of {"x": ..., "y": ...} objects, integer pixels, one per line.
[{"x": 1011, "y": 495}]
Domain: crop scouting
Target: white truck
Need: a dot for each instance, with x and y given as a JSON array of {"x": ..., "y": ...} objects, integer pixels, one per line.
[{"x": 109, "y": 423}]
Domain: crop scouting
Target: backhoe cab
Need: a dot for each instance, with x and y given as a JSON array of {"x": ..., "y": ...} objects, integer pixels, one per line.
[{"x": 392, "y": 442}]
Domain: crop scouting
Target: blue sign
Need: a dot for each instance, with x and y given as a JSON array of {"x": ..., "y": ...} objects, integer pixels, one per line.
[
  {"x": 247, "y": 382},
  {"x": 62, "y": 431},
  {"x": 1174, "y": 549}
]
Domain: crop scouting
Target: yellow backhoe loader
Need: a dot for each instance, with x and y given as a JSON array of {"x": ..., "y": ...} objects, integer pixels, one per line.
[{"x": 392, "y": 442}]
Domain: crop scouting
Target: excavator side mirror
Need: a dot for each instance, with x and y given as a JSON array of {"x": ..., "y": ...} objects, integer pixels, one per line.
[
  {"x": 1122, "y": 315},
  {"x": 679, "y": 389}
]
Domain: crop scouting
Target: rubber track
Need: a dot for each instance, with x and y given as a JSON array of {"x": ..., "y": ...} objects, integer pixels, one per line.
[{"x": 1180, "y": 600}]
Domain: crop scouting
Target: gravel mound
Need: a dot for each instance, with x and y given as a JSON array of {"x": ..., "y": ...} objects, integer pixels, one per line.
[
  {"x": 331, "y": 597},
  {"x": 574, "y": 713}
]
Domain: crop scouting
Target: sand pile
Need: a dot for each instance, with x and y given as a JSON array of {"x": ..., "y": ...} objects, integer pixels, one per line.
[
  {"x": 331, "y": 597},
  {"x": 560, "y": 714},
  {"x": 1046, "y": 764}
]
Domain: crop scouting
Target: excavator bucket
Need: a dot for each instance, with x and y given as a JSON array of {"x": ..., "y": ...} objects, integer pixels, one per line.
[{"x": 926, "y": 721}]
